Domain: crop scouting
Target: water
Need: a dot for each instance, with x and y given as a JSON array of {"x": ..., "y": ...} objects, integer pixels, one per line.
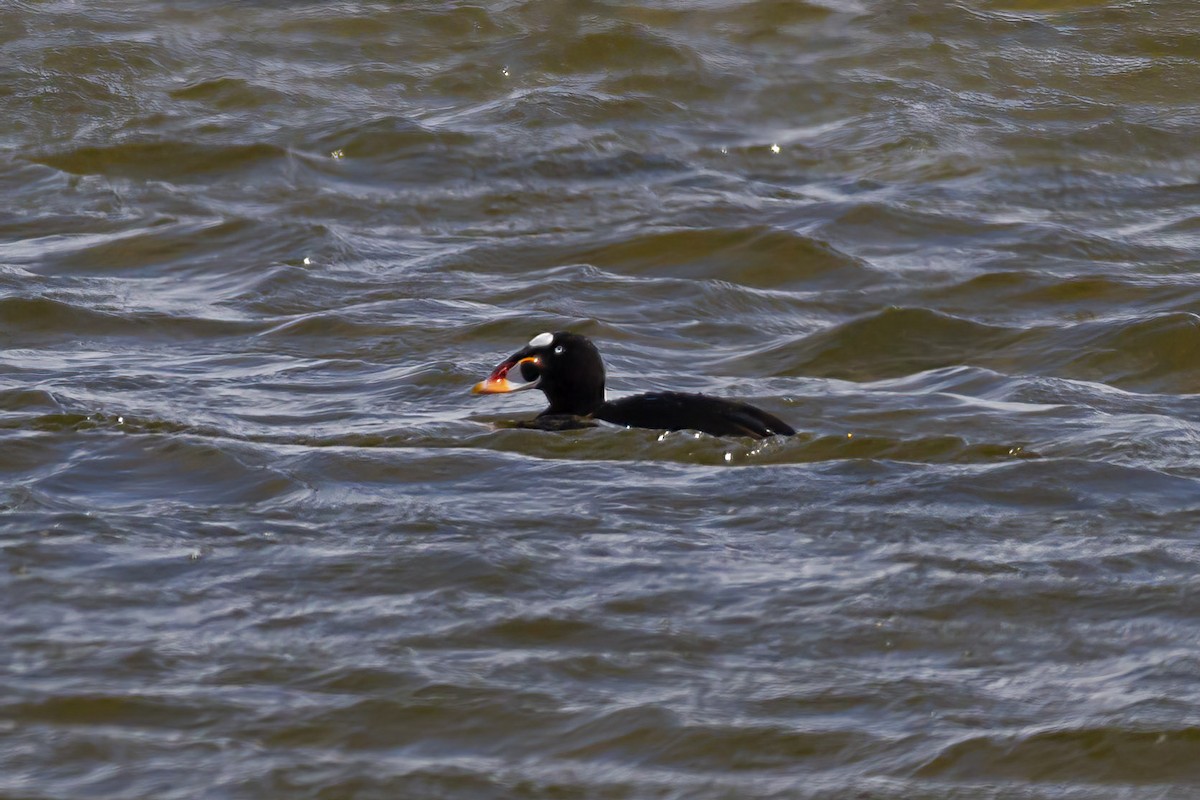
[{"x": 258, "y": 539}]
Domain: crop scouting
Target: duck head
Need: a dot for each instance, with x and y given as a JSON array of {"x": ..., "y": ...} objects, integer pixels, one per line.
[{"x": 565, "y": 366}]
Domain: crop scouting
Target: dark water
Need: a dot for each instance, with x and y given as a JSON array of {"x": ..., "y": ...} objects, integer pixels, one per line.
[{"x": 259, "y": 541}]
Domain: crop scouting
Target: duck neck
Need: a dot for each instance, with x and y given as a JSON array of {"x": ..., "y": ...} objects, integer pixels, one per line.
[{"x": 580, "y": 403}]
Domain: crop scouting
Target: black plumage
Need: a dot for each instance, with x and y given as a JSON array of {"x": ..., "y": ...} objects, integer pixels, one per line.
[{"x": 568, "y": 369}]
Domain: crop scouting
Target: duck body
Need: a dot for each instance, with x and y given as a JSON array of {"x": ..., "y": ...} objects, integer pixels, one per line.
[
  {"x": 695, "y": 412},
  {"x": 568, "y": 369}
]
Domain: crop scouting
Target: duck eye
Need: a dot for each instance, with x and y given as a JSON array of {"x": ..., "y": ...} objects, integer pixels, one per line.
[{"x": 558, "y": 351}]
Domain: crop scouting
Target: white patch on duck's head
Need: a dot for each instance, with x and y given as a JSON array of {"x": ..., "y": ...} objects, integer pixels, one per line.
[{"x": 541, "y": 340}]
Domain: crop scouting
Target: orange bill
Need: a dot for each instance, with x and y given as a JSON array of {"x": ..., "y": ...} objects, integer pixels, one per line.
[{"x": 498, "y": 382}]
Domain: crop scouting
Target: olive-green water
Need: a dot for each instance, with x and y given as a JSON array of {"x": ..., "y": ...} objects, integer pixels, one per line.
[{"x": 258, "y": 540}]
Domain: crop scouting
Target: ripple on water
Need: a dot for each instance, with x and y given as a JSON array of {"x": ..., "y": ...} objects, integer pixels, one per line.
[
  {"x": 1078, "y": 755},
  {"x": 134, "y": 471},
  {"x": 45, "y": 320},
  {"x": 258, "y": 539},
  {"x": 178, "y": 161}
]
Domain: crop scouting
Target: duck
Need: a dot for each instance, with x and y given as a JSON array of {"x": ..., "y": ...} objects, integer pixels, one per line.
[{"x": 569, "y": 371}]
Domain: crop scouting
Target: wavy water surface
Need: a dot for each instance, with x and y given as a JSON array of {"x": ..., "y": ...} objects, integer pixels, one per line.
[{"x": 258, "y": 539}]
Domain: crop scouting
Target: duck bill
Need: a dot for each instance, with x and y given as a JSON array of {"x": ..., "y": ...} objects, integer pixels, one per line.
[{"x": 498, "y": 382}]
